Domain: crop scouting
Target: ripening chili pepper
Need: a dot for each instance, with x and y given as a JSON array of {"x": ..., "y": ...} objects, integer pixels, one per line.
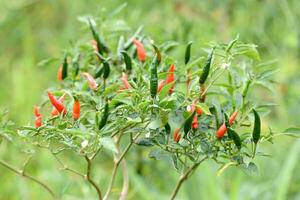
[
  {"x": 195, "y": 123},
  {"x": 126, "y": 84},
  {"x": 76, "y": 108},
  {"x": 206, "y": 68},
  {"x": 94, "y": 45},
  {"x": 188, "y": 123},
  {"x": 54, "y": 112},
  {"x": 101, "y": 46},
  {"x": 176, "y": 135},
  {"x": 170, "y": 77},
  {"x": 153, "y": 72},
  {"x": 141, "y": 52},
  {"x": 256, "y": 128},
  {"x": 57, "y": 104},
  {"x": 38, "y": 117},
  {"x": 59, "y": 74},
  {"x": 91, "y": 81},
  {"x": 161, "y": 84},
  {"x": 191, "y": 108},
  {"x": 222, "y": 130},
  {"x": 104, "y": 116}
]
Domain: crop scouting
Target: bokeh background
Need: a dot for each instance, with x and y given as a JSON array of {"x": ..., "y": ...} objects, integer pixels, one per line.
[{"x": 32, "y": 30}]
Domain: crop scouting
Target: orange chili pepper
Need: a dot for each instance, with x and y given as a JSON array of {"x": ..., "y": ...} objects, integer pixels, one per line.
[
  {"x": 54, "y": 112},
  {"x": 59, "y": 74},
  {"x": 76, "y": 109},
  {"x": 176, "y": 135},
  {"x": 57, "y": 104},
  {"x": 92, "y": 83},
  {"x": 222, "y": 130},
  {"x": 195, "y": 123},
  {"x": 141, "y": 52},
  {"x": 38, "y": 117}
]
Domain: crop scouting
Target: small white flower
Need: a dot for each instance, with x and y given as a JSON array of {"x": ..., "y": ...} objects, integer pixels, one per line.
[
  {"x": 84, "y": 143},
  {"x": 225, "y": 65}
]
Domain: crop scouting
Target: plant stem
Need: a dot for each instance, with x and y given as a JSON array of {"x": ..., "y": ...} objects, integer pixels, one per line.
[
  {"x": 117, "y": 163},
  {"x": 89, "y": 178},
  {"x": 22, "y": 173},
  {"x": 185, "y": 176},
  {"x": 125, "y": 188},
  {"x": 64, "y": 167}
]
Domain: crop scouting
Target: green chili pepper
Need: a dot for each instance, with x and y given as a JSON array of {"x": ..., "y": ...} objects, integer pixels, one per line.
[
  {"x": 235, "y": 137},
  {"x": 206, "y": 68},
  {"x": 246, "y": 88},
  {"x": 168, "y": 128},
  {"x": 100, "y": 43},
  {"x": 187, "y": 53},
  {"x": 127, "y": 61},
  {"x": 256, "y": 128},
  {"x": 232, "y": 134},
  {"x": 76, "y": 68},
  {"x": 188, "y": 124},
  {"x": 64, "y": 72},
  {"x": 99, "y": 72},
  {"x": 106, "y": 70},
  {"x": 153, "y": 72},
  {"x": 104, "y": 116}
]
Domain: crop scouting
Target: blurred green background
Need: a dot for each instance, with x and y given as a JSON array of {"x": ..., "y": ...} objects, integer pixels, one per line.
[{"x": 32, "y": 30}]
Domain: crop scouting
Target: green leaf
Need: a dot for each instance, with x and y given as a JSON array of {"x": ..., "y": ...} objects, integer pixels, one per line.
[
  {"x": 292, "y": 130},
  {"x": 108, "y": 143},
  {"x": 144, "y": 142},
  {"x": 250, "y": 169},
  {"x": 165, "y": 90}
]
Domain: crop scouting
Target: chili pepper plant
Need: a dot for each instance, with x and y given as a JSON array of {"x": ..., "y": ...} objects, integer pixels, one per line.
[{"x": 117, "y": 90}]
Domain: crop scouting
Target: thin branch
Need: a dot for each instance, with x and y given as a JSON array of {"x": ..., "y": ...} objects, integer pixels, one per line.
[
  {"x": 89, "y": 178},
  {"x": 211, "y": 83},
  {"x": 23, "y": 174},
  {"x": 117, "y": 163},
  {"x": 185, "y": 176},
  {"x": 125, "y": 188},
  {"x": 64, "y": 167}
]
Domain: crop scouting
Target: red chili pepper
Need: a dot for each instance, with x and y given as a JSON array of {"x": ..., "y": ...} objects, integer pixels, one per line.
[
  {"x": 161, "y": 84},
  {"x": 222, "y": 130},
  {"x": 141, "y": 52},
  {"x": 195, "y": 123},
  {"x": 92, "y": 83},
  {"x": 59, "y": 74},
  {"x": 170, "y": 77},
  {"x": 94, "y": 45},
  {"x": 54, "y": 112},
  {"x": 124, "y": 79},
  {"x": 38, "y": 117},
  {"x": 57, "y": 104},
  {"x": 176, "y": 135},
  {"x": 76, "y": 109}
]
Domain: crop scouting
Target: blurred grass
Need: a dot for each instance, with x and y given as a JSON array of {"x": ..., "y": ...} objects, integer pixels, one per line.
[{"x": 32, "y": 30}]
